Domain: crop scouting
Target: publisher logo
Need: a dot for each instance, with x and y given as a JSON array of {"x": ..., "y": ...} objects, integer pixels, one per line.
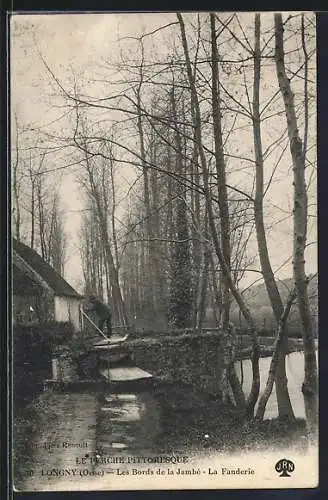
[{"x": 284, "y": 467}]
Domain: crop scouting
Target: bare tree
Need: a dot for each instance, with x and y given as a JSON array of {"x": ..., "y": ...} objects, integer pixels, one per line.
[
  {"x": 278, "y": 348},
  {"x": 225, "y": 269},
  {"x": 16, "y": 184},
  {"x": 298, "y": 153},
  {"x": 177, "y": 123},
  {"x": 56, "y": 237},
  {"x": 180, "y": 294},
  {"x": 285, "y": 409},
  {"x": 95, "y": 189}
]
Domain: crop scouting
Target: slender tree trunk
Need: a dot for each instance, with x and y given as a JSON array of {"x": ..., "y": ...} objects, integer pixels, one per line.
[
  {"x": 225, "y": 269},
  {"x": 217, "y": 296},
  {"x": 56, "y": 237},
  {"x": 108, "y": 290},
  {"x": 32, "y": 213},
  {"x": 310, "y": 384},
  {"x": 158, "y": 278},
  {"x": 280, "y": 338},
  {"x": 113, "y": 213},
  {"x": 112, "y": 270},
  {"x": 224, "y": 212},
  {"x": 143, "y": 272},
  {"x": 116, "y": 290},
  {"x": 203, "y": 281},
  {"x": 41, "y": 221},
  {"x": 16, "y": 187},
  {"x": 147, "y": 204},
  {"x": 196, "y": 246},
  {"x": 285, "y": 409},
  {"x": 220, "y": 171},
  {"x": 100, "y": 274},
  {"x": 180, "y": 294}
]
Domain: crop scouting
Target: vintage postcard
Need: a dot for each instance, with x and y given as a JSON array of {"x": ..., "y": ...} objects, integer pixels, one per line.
[{"x": 164, "y": 251}]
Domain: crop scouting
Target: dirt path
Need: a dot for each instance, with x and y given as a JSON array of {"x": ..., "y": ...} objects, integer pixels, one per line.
[{"x": 55, "y": 447}]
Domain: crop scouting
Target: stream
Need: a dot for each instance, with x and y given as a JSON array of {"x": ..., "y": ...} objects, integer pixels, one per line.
[{"x": 91, "y": 434}]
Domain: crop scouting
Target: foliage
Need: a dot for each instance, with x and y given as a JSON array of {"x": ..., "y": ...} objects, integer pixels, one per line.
[
  {"x": 79, "y": 346},
  {"x": 180, "y": 307},
  {"x": 47, "y": 334},
  {"x": 33, "y": 347}
]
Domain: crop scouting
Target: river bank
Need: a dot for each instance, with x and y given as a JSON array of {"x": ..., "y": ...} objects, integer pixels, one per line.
[
  {"x": 162, "y": 418},
  {"x": 170, "y": 420}
]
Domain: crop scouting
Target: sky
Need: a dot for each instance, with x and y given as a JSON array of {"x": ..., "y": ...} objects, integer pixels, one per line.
[{"x": 79, "y": 44}]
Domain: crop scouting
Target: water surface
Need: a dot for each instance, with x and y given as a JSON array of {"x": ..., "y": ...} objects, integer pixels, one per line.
[{"x": 89, "y": 435}]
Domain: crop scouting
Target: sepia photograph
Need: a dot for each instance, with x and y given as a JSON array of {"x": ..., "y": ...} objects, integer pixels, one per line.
[{"x": 163, "y": 250}]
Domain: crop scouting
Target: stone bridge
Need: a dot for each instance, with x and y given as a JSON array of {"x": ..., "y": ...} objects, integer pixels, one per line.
[{"x": 193, "y": 358}]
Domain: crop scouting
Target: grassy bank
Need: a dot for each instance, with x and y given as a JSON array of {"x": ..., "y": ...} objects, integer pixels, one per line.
[
  {"x": 189, "y": 419},
  {"x": 30, "y": 421},
  {"x": 197, "y": 420}
]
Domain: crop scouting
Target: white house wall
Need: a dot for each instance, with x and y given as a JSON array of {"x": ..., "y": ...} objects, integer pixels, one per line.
[{"x": 67, "y": 309}]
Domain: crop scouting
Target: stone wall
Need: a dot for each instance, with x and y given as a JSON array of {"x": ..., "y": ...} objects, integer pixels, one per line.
[
  {"x": 195, "y": 359},
  {"x": 192, "y": 359},
  {"x": 66, "y": 365},
  {"x": 266, "y": 344}
]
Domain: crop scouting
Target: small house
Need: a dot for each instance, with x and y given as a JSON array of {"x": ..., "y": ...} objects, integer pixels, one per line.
[{"x": 40, "y": 294}]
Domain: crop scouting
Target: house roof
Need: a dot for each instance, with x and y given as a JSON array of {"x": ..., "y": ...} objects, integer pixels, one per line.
[{"x": 54, "y": 280}]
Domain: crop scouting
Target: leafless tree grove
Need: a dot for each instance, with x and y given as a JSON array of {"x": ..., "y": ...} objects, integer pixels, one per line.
[{"x": 177, "y": 154}]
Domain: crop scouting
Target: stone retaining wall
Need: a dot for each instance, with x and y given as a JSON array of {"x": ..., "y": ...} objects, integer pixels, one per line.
[
  {"x": 67, "y": 368},
  {"x": 196, "y": 359},
  {"x": 193, "y": 359}
]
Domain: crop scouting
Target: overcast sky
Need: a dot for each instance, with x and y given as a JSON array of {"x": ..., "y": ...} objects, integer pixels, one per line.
[{"x": 79, "y": 43}]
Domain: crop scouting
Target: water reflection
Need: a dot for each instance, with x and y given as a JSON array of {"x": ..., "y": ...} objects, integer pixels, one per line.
[
  {"x": 127, "y": 422},
  {"x": 295, "y": 376},
  {"x": 103, "y": 425}
]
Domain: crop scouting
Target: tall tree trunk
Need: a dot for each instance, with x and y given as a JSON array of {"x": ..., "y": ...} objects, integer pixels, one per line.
[
  {"x": 220, "y": 172},
  {"x": 217, "y": 296},
  {"x": 285, "y": 409},
  {"x": 170, "y": 195},
  {"x": 112, "y": 270},
  {"x": 56, "y": 237},
  {"x": 143, "y": 272},
  {"x": 203, "y": 280},
  {"x": 147, "y": 205},
  {"x": 180, "y": 294},
  {"x": 223, "y": 211},
  {"x": 158, "y": 277},
  {"x": 113, "y": 213},
  {"x": 107, "y": 280},
  {"x": 41, "y": 220},
  {"x": 116, "y": 289},
  {"x": 196, "y": 228},
  {"x": 310, "y": 384},
  {"x": 32, "y": 212},
  {"x": 208, "y": 200},
  {"x": 16, "y": 187}
]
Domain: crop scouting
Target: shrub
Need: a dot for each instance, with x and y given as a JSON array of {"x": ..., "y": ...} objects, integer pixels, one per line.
[{"x": 50, "y": 333}]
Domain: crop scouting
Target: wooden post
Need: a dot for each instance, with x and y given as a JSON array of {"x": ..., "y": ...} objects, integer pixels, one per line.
[
  {"x": 55, "y": 369},
  {"x": 81, "y": 320}
]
